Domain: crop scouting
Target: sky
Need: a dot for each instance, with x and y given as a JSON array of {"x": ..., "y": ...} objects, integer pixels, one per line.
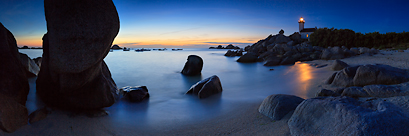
[{"x": 205, "y": 23}]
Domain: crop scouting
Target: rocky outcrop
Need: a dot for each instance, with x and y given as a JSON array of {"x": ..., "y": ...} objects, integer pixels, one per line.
[
  {"x": 206, "y": 87},
  {"x": 13, "y": 84},
  {"x": 73, "y": 73},
  {"x": 30, "y": 65},
  {"x": 248, "y": 58},
  {"x": 348, "y": 116},
  {"x": 369, "y": 74},
  {"x": 230, "y": 46},
  {"x": 193, "y": 66},
  {"x": 134, "y": 94},
  {"x": 279, "y": 105}
]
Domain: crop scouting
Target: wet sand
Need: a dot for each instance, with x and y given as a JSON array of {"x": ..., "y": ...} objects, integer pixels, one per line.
[{"x": 244, "y": 120}]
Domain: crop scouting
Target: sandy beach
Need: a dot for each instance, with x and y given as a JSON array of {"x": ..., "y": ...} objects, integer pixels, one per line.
[{"x": 244, "y": 120}]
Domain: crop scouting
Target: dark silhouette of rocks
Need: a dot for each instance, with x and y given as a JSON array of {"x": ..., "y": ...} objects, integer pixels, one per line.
[
  {"x": 134, "y": 94},
  {"x": 206, "y": 87},
  {"x": 193, "y": 66},
  {"x": 230, "y": 46},
  {"x": 279, "y": 105},
  {"x": 292, "y": 49},
  {"x": 73, "y": 73},
  {"x": 13, "y": 84},
  {"x": 38, "y": 61},
  {"x": 30, "y": 65}
]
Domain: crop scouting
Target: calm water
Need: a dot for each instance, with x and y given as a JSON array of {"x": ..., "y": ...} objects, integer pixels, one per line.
[{"x": 160, "y": 72}]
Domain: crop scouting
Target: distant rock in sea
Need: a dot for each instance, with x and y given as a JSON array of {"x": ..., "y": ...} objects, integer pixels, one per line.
[
  {"x": 230, "y": 46},
  {"x": 115, "y": 47},
  {"x": 73, "y": 73}
]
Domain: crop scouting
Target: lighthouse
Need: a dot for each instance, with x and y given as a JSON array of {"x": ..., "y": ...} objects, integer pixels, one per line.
[
  {"x": 305, "y": 32},
  {"x": 301, "y": 24}
]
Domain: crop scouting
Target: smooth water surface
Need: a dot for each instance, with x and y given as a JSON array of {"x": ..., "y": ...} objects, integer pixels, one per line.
[{"x": 160, "y": 72}]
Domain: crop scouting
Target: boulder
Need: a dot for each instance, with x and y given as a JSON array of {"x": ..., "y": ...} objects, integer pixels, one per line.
[
  {"x": 73, "y": 73},
  {"x": 232, "y": 53},
  {"x": 280, "y": 38},
  {"x": 30, "y": 65},
  {"x": 248, "y": 58},
  {"x": 355, "y": 50},
  {"x": 296, "y": 37},
  {"x": 134, "y": 94},
  {"x": 338, "y": 65},
  {"x": 14, "y": 85},
  {"x": 325, "y": 92},
  {"x": 38, "y": 115},
  {"x": 278, "y": 105},
  {"x": 193, "y": 66},
  {"x": 206, "y": 87},
  {"x": 348, "y": 116},
  {"x": 13, "y": 115}
]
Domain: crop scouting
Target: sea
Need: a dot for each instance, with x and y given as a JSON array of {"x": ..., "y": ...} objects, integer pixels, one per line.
[{"x": 160, "y": 72}]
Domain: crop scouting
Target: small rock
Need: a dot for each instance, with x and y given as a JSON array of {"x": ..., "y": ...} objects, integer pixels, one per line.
[
  {"x": 134, "y": 94},
  {"x": 321, "y": 66},
  {"x": 38, "y": 115}
]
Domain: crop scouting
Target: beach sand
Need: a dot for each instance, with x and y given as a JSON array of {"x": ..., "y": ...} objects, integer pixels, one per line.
[{"x": 244, "y": 120}]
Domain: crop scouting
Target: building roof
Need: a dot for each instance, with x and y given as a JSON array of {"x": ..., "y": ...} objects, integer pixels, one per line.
[{"x": 308, "y": 30}]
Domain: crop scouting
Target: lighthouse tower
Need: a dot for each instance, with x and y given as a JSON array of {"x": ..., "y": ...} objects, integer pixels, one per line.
[{"x": 301, "y": 24}]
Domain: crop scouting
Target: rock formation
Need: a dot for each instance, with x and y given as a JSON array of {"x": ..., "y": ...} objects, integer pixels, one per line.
[
  {"x": 73, "y": 73},
  {"x": 13, "y": 84},
  {"x": 193, "y": 66},
  {"x": 206, "y": 87}
]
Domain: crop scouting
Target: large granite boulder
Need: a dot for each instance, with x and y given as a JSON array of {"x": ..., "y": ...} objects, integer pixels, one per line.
[
  {"x": 278, "y": 105},
  {"x": 73, "y": 73},
  {"x": 135, "y": 93},
  {"x": 338, "y": 65},
  {"x": 206, "y": 87},
  {"x": 348, "y": 116},
  {"x": 193, "y": 66},
  {"x": 13, "y": 84},
  {"x": 369, "y": 74},
  {"x": 248, "y": 58},
  {"x": 30, "y": 65}
]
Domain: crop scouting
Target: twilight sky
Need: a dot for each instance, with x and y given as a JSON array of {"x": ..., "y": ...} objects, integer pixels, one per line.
[{"x": 204, "y": 23}]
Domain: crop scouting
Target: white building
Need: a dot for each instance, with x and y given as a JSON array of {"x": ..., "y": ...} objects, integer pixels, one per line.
[{"x": 305, "y": 32}]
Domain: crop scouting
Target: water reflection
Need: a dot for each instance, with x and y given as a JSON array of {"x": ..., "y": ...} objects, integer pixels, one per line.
[{"x": 302, "y": 74}]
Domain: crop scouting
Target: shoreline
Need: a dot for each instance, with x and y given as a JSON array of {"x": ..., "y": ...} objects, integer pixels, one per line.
[{"x": 243, "y": 120}]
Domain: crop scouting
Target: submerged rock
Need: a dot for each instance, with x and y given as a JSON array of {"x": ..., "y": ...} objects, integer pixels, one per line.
[
  {"x": 206, "y": 87},
  {"x": 135, "y": 93},
  {"x": 279, "y": 105},
  {"x": 193, "y": 66},
  {"x": 73, "y": 73}
]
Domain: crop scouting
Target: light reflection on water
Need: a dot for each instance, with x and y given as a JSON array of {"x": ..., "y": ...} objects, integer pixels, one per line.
[{"x": 160, "y": 72}]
